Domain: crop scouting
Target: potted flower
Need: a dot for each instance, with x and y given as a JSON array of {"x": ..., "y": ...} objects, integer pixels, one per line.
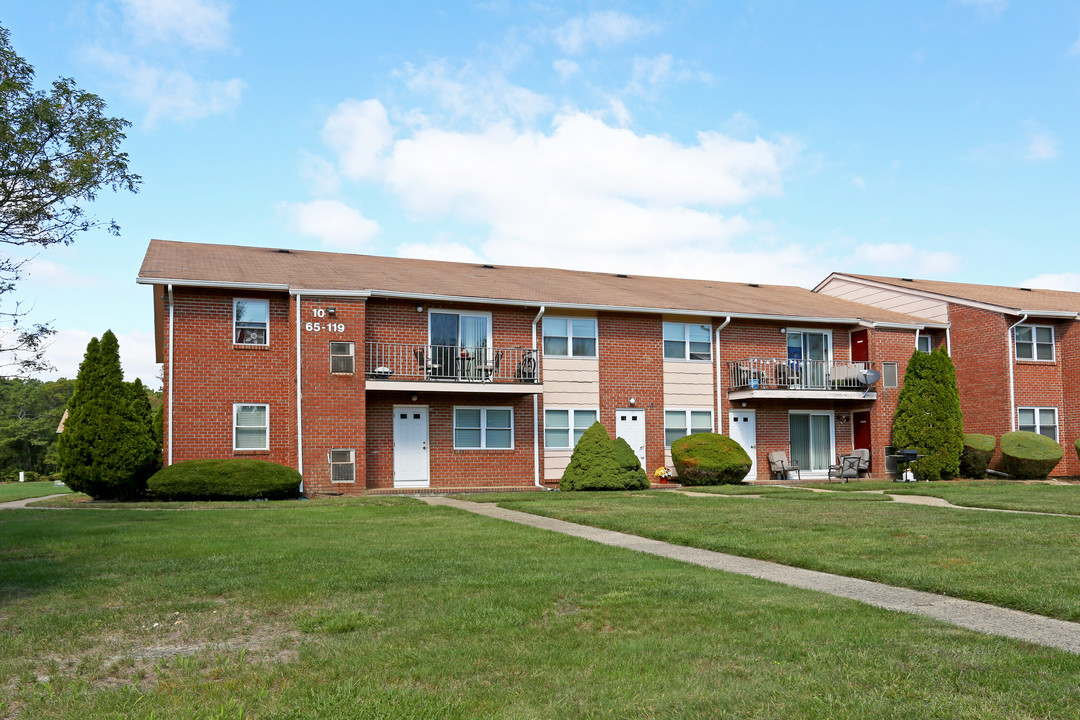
[{"x": 662, "y": 474}]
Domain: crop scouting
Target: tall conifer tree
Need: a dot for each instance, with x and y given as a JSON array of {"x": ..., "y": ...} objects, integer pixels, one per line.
[{"x": 928, "y": 416}]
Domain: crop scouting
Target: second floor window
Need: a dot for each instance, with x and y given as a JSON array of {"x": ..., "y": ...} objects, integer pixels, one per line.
[
  {"x": 1034, "y": 342},
  {"x": 687, "y": 341},
  {"x": 570, "y": 337},
  {"x": 341, "y": 358},
  {"x": 250, "y": 318}
]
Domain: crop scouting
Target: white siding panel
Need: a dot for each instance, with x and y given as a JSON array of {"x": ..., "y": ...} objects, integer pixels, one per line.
[
  {"x": 687, "y": 385},
  {"x": 555, "y": 462},
  {"x": 888, "y": 299}
]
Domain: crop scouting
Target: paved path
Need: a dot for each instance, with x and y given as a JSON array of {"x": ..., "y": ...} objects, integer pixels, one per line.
[
  {"x": 964, "y": 613},
  {"x": 15, "y": 504}
]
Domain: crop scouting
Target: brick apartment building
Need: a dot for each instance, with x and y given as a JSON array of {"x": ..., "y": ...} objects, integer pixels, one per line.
[
  {"x": 1014, "y": 349},
  {"x": 379, "y": 374}
]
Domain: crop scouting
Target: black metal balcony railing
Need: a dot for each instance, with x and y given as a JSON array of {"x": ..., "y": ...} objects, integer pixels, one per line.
[
  {"x": 787, "y": 374},
  {"x": 451, "y": 363}
]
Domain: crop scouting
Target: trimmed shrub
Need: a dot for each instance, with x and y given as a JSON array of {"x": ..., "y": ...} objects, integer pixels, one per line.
[
  {"x": 636, "y": 477},
  {"x": 594, "y": 465},
  {"x": 928, "y": 417},
  {"x": 978, "y": 449},
  {"x": 709, "y": 459},
  {"x": 240, "y": 479},
  {"x": 1029, "y": 455}
]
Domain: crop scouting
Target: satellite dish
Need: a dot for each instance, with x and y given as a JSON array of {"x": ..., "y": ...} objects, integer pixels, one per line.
[{"x": 869, "y": 377}]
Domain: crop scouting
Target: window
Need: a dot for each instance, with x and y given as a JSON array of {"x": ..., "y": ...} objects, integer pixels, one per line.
[
  {"x": 680, "y": 423},
  {"x": 570, "y": 337},
  {"x": 890, "y": 374},
  {"x": 561, "y": 425},
  {"x": 1034, "y": 342},
  {"x": 483, "y": 428},
  {"x": 811, "y": 440},
  {"x": 342, "y": 466},
  {"x": 1038, "y": 420},
  {"x": 251, "y": 427},
  {"x": 687, "y": 341},
  {"x": 341, "y": 358},
  {"x": 924, "y": 345},
  {"x": 250, "y": 318}
]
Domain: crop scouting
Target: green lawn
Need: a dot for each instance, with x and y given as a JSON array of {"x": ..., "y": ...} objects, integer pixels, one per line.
[
  {"x": 387, "y": 608},
  {"x": 1026, "y": 562},
  {"x": 20, "y": 491},
  {"x": 1005, "y": 494}
]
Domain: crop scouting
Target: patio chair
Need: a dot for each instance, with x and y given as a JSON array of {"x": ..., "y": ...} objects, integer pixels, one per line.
[
  {"x": 425, "y": 363},
  {"x": 848, "y": 469},
  {"x": 488, "y": 370},
  {"x": 778, "y": 464},
  {"x": 864, "y": 460}
]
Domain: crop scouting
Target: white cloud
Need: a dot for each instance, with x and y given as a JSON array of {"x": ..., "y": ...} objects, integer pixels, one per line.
[
  {"x": 39, "y": 271},
  {"x": 170, "y": 94},
  {"x": 566, "y": 68},
  {"x": 358, "y": 132},
  {"x": 482, "y": 97},
  {"x": 1054, "y": 281},
  {"x": 1041, "y": 143},
  {"x": 599, "y": 30},
  {"x": 987, "y": 8},
  {"x": 897, "y": 258},
  {"x": 202, "y": 24},
  {"x": 67, "y": 348},
  {"x": 655, "y": 72},
  {"x": 334, "y": 223},
  {"x": 1074, "y": 49},
  {"x": 319, "y": 174}
]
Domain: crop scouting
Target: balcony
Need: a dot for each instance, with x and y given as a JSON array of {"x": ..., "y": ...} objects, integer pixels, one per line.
[
  {"x": 452, "y": 368},
  {"x": 810, "y": 379}
]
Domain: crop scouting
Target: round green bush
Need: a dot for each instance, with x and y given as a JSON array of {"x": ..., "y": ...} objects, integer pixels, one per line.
[
  {"x": 1029, "y": 455},
  {"x": 974, "y": 459},
  {"x": 239, "y": 479},
  {"x": 595, "y": 466},
  {"x": 709, "y": 459}
]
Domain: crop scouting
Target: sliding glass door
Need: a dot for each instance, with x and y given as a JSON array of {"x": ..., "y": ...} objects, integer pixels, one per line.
[
  {"x": 458, "y": 340},
  {"x": 808, "y": 354},
  {"x": 811, "y": 438}
]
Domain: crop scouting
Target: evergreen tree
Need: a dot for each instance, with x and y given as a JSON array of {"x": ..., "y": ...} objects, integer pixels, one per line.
[
  {"x": 928, "y": 416},
  {"x": 594, "y": 466},
  {"x": 107, "y": 447}
]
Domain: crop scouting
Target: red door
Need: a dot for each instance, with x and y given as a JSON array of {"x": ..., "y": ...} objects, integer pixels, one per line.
[
  {"x": 861, "y": 432},
  {"x": 860, "y": 349}
]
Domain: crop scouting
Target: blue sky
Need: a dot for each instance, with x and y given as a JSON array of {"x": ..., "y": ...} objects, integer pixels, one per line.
[{"x": 768, "y": 142}]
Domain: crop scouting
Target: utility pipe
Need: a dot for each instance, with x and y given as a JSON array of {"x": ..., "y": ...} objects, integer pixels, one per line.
[
  {"x": 172, "y": 355},
  {"x": 536, "y": 407},
  {"x": 299, "y": 403},
  {"x": 719, "y": 413},
  {"x": 1012, "y": 364}
]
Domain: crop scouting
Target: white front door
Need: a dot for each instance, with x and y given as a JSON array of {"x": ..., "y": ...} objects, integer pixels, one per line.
[
  {"x": 743, "y": 424},
  {"x": 411, "y": 467},
  {"x": 630, "y": 426}
]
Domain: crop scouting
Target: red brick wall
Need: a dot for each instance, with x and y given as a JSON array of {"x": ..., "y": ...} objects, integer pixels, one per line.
[
  {"x": 1068, "y": 347},
  {"x": 631, "y": 363},
  {"x": 211, "y": 373},
  {"x": 887, "y": 345}
]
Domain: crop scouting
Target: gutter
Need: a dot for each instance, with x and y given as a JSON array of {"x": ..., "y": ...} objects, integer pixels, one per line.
[
  {"x": 719, "y": 419},
  {"x": 536, "y": 409},
  {"x": 172, "y": 355},
  {"x": 1012, "y": 366}
]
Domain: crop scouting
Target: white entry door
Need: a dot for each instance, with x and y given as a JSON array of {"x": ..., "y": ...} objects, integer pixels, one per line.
[
  {"x": 743, "y": 424},
  {"x": 411, "y": 466},
  {"x": 630, "y": 426}
]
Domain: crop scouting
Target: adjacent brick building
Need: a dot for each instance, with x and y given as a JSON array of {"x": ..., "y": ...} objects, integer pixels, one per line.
[
  {"x": 389, "y": 374},
  {"x": 1015, "y": 350}
]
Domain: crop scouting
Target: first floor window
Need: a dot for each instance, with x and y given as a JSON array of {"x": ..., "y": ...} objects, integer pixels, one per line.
[
  {"x": 250, "y": 318},
  {"x": 1034, "y": 342},
  {"x": 251, "y": 427},
  {"x": 687, "y": 341},
  {"x": 1038, "y": 420},
  {"x": 924, "y": 344},
  {"x": 342, "y": 466},
  {"x": 570, "y": 337},
  {"x": 680, "y": 423},
  {"x": 341, "y": 358},
  {"x": 563, "y": 428},
  {"x": 483, "y": 428}
]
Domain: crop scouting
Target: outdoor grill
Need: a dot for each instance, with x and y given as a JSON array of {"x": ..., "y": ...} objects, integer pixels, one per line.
[{"x": 907, "y": 456}]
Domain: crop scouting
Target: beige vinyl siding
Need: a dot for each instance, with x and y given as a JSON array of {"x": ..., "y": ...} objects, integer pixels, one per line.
[
  {"x": 887, "y": 299},
  {"x": 687, "y": 384},
  {"x": 568, "y": 383}
]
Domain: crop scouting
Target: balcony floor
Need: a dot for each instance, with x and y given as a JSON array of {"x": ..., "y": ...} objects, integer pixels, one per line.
[
  {"x": 452, "y": 386},
  {"x": 785, "y": 394}
]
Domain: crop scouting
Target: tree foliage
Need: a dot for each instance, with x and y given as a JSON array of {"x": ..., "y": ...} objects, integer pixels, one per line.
[
  {"x": 107, "y": 449},
  {"x": 928, "y": 416},
  {"x": 58, "y": 149},
  {"x": 709, "y": 459},
  {"x": 30, "y": 411},
  {"x": 595, "y": 465}
]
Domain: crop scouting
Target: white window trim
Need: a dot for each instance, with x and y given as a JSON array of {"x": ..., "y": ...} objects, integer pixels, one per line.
[
  {"x": 812, "y": 331},
  {"x": 352, "y": 354},
  {"x": 595, "y": 337},
  {"x": 466, "y": 313},
  {"x": 686, "y": 341},
  {"x": 352, "y": 462},
  {"x": 686, "y": 414},
  {"x": 259, "y": 300},
  {"x": 1035, "y": 345},
  {"x": 832, "y": 432},
  {"x": 1038, "y": 425},
  {"x": 483, "y": 427},
  {"x": 896, "y": 365},
  {"x": 236, "y": 409},
  {"x": 570, "y": 418}
]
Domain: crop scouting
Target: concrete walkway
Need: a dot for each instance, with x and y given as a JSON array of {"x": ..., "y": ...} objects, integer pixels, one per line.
[
  {"x": 16, "y": 504},
  {"x": 964, "y": 613}
]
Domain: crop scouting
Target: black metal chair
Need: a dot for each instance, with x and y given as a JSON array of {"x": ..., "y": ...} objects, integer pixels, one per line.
[{"x": 848, "y": 469}]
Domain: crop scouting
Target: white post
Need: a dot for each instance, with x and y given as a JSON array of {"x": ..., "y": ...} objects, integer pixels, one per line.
[{"x": 22, "y": 476}]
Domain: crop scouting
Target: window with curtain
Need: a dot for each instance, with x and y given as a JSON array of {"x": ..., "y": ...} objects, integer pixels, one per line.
[
  {"x": 251, "y": 427},
  {"x": 250, "y": 320},
  {"x": 811, "y": 440}
]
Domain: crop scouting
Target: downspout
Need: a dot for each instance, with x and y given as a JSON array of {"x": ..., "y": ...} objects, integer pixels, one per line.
[
  {"x": 917, "y": 331},
  {"x": 172, "y": 355},
  {"x": 948, "y": 340},
  {"x": 299, "y": 404},
  {"x": 536, "y": 408},
  {"x": 719, "y": 413},
  {"x": 1012, "y": 363}
]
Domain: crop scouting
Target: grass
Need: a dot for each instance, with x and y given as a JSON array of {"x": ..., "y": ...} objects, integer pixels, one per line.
[
  {"x": 1025, "y": 562},
  {"x": 21, "y": 491},
  {"x": 1003, "y": 494},
  {"x": 388, "y": 608}
]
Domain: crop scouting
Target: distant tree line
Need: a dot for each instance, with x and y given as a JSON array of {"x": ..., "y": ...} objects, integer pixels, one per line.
[{"x": 30, "y": 411}]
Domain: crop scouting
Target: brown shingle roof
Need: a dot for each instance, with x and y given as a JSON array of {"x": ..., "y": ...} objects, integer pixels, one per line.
[
  {"x": 1014, "y": 298},
  {"x": 197, "y": 263}
]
